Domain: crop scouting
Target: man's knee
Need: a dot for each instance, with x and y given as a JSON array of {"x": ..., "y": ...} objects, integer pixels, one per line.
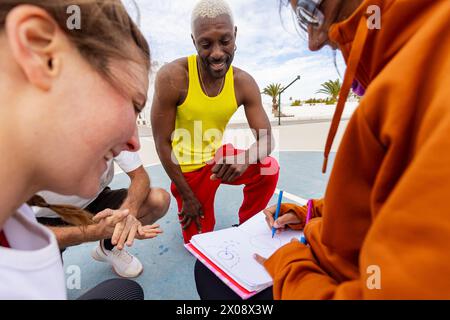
[
  {"x": 158, "y": 201},
  {"x": 269, "y": 168}
]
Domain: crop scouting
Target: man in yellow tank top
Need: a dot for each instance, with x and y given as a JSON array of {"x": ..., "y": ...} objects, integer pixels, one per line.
[{"x": 194, "y": 100}]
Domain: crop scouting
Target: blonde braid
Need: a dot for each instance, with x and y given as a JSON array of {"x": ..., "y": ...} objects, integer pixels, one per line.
[{"x": 70, "y": 214}]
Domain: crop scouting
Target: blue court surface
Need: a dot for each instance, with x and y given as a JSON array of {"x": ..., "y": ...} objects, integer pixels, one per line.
[{"x": 168, "y": 267}]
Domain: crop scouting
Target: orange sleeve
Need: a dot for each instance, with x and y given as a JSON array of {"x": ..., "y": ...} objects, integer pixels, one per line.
[
  {"x": 297, "y": 276},
  {"x": 301, "y": 212}
]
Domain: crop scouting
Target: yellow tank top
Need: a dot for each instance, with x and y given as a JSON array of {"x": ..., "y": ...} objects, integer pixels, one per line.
[{"x": 201, "y": 121}]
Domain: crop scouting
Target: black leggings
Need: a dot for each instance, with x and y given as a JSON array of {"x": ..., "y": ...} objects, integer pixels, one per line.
[
  {"x": 115, "y": 289},
  {"x": 210, "y": 287}
]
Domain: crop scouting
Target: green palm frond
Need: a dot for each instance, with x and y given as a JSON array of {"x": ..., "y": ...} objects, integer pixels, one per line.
[
  {"x": 331, "y": 88},
  {"x": 273, "y": 90}
]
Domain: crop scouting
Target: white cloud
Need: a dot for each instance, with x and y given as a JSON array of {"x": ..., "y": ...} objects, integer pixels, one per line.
[{"x": 271, "y": 51}]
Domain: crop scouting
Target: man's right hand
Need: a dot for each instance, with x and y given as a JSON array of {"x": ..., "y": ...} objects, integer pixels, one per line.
[
  {"x": 192, "y": 211},
  {"x": 280, "y": 224}
]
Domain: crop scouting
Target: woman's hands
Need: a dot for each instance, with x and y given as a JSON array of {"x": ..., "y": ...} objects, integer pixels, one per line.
[
  {"x": 282, "y": 221},
  {"x": 288, "y": 218}
]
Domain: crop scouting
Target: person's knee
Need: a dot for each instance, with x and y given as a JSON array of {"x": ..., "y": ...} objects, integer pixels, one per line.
[
  {"x": 270, "y": 168},
  {"x": 159, "y": 201}
]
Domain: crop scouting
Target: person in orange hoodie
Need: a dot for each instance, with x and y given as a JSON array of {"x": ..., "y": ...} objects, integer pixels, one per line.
[{"x": 382, "y": 230}]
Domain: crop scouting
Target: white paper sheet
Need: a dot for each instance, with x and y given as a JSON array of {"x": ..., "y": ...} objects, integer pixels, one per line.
[{"x": 233, "y": 249}]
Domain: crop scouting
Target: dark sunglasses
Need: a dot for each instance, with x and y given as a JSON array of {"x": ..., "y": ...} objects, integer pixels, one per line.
[{"x": 309, "y": 14}]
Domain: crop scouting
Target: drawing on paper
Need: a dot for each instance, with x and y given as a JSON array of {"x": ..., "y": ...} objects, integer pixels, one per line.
[{"x": 228, "y": 254}]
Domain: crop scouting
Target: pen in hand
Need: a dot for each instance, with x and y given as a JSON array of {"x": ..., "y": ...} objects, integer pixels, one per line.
[
  {"x": 308, "y": 217},
  {"x": 277, "y": 212}
]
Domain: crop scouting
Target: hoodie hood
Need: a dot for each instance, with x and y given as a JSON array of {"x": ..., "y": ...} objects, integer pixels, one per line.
[
  {"x": 352, "y": 47},
  {"x": 367, "y": 51}
]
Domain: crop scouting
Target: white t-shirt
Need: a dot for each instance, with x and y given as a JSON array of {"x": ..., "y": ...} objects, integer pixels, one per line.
[
  {"x": 31, "y": 269},
  {"x": 127, "y": 161}
]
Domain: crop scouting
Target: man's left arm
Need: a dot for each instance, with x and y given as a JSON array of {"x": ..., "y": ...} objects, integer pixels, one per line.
[
  {"x": 249, "y": 96},
  {"x": 257, "y": 120}
]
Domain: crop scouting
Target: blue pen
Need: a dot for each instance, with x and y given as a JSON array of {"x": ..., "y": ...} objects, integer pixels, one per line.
[{"x": 280, "y": 197}]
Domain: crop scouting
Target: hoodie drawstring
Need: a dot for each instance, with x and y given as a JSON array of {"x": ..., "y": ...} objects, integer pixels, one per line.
[{"x": 353, "y": 62}]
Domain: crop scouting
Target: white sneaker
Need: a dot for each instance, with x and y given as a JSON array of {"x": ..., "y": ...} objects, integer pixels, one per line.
[{"x": 123, "y": 263}]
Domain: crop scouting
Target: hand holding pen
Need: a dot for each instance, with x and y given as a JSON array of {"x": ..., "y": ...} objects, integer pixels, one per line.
[{"x": 282, "y": 221}]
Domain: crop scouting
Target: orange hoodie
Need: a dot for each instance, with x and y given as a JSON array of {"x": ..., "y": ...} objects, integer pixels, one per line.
[{"x": 384, "y": 218}]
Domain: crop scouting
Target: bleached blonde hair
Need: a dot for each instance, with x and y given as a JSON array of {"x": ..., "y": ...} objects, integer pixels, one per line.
[{"x": 210, "y": 9}]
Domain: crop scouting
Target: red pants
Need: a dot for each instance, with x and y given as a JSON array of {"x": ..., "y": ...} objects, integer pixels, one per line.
[{"x": 260, "y": 181}]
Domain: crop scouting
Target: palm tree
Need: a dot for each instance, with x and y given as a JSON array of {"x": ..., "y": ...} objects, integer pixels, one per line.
[
  {"x": 331, "y": 88},
  {"x": 273, "y": 90}
]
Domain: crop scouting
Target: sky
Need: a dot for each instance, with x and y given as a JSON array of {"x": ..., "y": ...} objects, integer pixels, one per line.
[{"x": 268, "y": 45}]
